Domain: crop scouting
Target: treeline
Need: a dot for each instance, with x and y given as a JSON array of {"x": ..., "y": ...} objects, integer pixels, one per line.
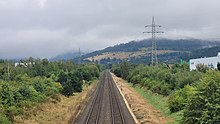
[
  {"x": 195, "y": 93},
  {"x": 205, "y": 52},
  {"x": 34, "y": 81},
  {"x": 162, "y": 44}
]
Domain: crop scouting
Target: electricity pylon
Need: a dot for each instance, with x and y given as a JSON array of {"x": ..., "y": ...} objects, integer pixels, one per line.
[
  {"x": 153, "y": 31},
  {"x": 79, "y": 61}
]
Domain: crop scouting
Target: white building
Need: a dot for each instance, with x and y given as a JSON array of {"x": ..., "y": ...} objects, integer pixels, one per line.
[
  {"x": 210, "y": 62},
  {"x": 24, "y": 64}
]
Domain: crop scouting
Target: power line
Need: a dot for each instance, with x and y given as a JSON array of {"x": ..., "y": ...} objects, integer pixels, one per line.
[
  {"x": 153, "y": 31},
  {"x": 79, "y": 61}
]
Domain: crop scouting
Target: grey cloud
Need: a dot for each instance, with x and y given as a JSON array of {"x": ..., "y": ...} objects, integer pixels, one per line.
[{"x": 44, "y": 28}]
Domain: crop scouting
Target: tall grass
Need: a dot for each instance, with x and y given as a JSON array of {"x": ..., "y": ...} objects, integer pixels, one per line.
[{"x": 158, "y": 102}]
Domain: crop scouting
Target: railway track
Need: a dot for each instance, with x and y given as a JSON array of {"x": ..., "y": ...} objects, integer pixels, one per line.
[
  {"x": 94, "y": 113},
  {"x": 117, "y": 115},
  {"x": 106, "y": 106}
]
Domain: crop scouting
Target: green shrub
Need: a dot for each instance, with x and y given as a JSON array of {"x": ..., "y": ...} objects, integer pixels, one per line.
[
  {"x": 145, "y": 82},
  {"x": 204, "y": 106},
  {"x": 35, "y": 83},
  {"x": 161, "y": 79},
  {"x": 57, "y": 86},
  {"x": 7, "y": 94},
  {"x": 164, "y": 89},
  {"x": 177, "y": 101},
  {"x": 4, "y": 119},
  {"x": 11, "y": 112},
  {"x": 73, "y": 84},
  {"x": 39, "y": 85},
  {"x": 202, "y": 68}
]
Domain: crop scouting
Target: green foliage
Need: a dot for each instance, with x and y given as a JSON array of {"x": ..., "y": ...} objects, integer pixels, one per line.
[
  {"x": 17, "y": 95},
  {"x": 72, "y": 81},
  {"x": 89, "y": 71},
  {"x": 116, "y": 70},
  {"x": 208, "y": 52},
  {"x": 62, "y": 77},
  {"x": 204, "y": 106},
  {"x": 37, "y": 81},
  {"x": 182, "y": 78},
  {"x": 160, "y": 79},
  {"x": 159, "y": 102},
  {"x": 4, "y": 119},
  {"x": 183, "y": 46},
  {"x": 196, "y": 94},
  {"x": 202, "y": 68},
  {"x": 123, "y": 69},
  {"x": 72, "y": 84},
  {"x": 177, "y": 101}
]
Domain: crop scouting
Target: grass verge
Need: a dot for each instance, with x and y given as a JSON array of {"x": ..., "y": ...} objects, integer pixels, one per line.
[
  {"x": 159, "y": 102},
  {"x": 62, "y": 112}
]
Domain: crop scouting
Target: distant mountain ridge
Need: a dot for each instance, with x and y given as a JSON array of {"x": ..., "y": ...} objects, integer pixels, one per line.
[
  {"x": 205, "y": 52},
  {"x": 65, "y": 56},
  {"x": 162, "y": 44},
  {"x": 171, "y": 50}
]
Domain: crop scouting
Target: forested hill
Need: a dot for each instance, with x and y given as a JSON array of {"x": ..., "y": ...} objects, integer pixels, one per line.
[
  {"x": 65, "y": 56},
  {"x": 206, "y": 52},
  {"x": 139, "y": 51},
  {"x": 162, "y": 44}
]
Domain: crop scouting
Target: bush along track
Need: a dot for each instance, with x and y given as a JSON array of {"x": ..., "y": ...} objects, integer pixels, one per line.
[
  {"x": 23, "y": 87},
  {"x": 192, "y": 95}
]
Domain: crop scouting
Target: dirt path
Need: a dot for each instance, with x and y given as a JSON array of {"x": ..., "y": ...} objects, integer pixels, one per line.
[
  {"x": 143, "y": 111},
  {"x": 63, "y": 112}
]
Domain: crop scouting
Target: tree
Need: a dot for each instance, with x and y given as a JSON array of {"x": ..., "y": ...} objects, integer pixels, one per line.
[
  {"x": 116, "y": 70},
  {"x": 204, "y": 106},
  {"x": 125, "y": 69},
  {"x": 73, "y": 83},
  {"x": 202, "y": 68},
  {"x": 62, "y": 77},
  {"x": 179, "y": 98}
]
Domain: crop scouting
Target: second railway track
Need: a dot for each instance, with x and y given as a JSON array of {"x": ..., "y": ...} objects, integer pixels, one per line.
[
  {"x": 117, "y": 115},
  {"x": 106, "y": 106}
]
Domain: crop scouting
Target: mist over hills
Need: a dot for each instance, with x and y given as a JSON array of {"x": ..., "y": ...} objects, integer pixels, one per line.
[
  {"x": 162, "y": 44},
  {"x": 65, "y": 56},
  {"x": 170, "y": 50}
]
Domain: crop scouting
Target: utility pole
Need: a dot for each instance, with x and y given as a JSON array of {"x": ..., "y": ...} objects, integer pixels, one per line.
[
  {"x": 79, "y": 61},
  {"x": 153, "y": 31}
]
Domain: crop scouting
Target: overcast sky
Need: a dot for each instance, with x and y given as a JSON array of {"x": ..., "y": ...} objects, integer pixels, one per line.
[{"x": 45, "y": 28}]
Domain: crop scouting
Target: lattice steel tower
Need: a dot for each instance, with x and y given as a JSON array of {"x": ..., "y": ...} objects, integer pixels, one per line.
[
  {"x": 80, "y": 59},
  {"x": 153, "y": 31}
]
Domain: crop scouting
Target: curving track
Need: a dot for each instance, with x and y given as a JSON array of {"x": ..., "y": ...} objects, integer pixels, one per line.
[{"x": 106, "y": 106}]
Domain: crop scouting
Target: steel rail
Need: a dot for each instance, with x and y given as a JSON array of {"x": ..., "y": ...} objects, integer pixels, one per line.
[{"x": 97, "y": 95}]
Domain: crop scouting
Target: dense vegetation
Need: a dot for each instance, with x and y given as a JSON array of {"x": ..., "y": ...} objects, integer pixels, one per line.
[
  {"x": 204, "y": 105},
  {"x": 185, "y": 49},
  {"x": 201, "y": 53},
  {"x": 162, "y": 44},
  {"x": 23, "y": 86},
  {"x": 195, "y": 93}
]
